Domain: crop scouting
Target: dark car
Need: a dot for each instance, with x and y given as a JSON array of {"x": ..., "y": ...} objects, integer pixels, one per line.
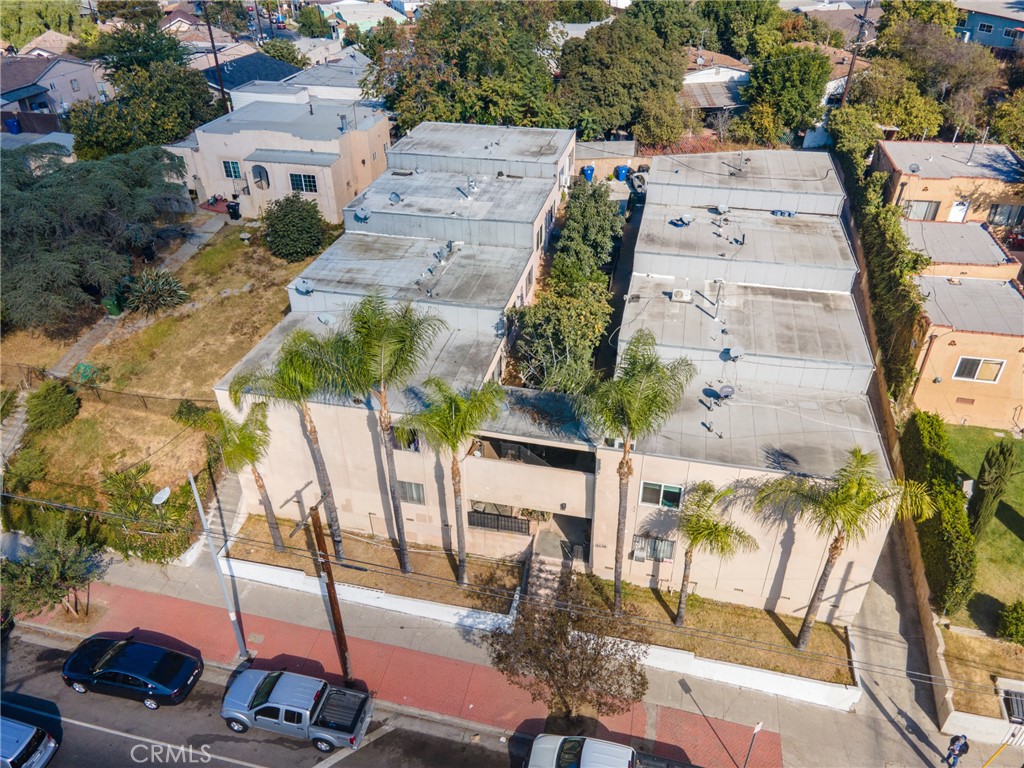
[{"x": 133, "y": 670}]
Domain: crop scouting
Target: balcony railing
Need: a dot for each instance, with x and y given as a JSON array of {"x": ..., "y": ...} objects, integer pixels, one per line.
[{"x": 493, "y": 522}]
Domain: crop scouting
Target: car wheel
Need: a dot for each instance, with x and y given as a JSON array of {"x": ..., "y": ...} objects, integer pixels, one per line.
[
  {"x": 323, "y": 745},
  {"x": 151, "y": 704},
  {"x": 79, "y": 688},
  {"x": 237, "y": 726}
]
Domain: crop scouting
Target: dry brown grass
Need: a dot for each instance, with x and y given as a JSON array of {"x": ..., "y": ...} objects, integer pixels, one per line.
[
  {"x": 30, "y": 348},
  {"x": 238, "y": 293},
  {"x": 433, "y": 576},
  {"x": 736, "y": 634},
  {"x": 980, "y": 660}
]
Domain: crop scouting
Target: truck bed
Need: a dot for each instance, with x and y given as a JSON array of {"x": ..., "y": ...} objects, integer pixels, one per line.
[{"x": 342, "y": 710}]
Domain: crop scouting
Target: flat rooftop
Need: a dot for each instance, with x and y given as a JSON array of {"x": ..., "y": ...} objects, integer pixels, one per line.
[
  {"x": 949, "y": 243},
  {"x": 452, "y": 194},
  {"x": 942, "y": 160},
  {"x": 336, "y": 74},
  {"x": 766, "y": 170},
  {"x": 973, "y": 304},
  {"x": 471, "y": 275},
  {"x": 487, "y": 142},
  {"x": 805, "y": 326},
  {"x": 323, "y": 124},
  {"x": 746, "y": 235}
]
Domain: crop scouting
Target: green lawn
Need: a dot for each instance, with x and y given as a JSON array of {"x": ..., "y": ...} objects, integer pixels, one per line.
[{"x": 1001, "y": 545}]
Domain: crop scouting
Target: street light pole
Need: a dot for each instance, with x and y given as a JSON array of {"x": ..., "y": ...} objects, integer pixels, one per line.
[
  {"x": 340, "y": 641},
  {"x": 757, "y": 730},
  {"x": 243, "y": 652}
]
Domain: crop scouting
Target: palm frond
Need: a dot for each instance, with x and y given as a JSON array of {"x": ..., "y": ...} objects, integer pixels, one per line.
[{"x": 449, "y": 419}]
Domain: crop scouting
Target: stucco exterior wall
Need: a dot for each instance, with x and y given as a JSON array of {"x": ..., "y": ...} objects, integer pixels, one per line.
[
  {"x": 57, "y": 80},
  {"x": 1006, "y": 271},
  {"x": 996, "y": 404}
]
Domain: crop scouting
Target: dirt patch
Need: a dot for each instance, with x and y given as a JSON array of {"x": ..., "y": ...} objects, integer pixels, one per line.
[
  {"x": 28, "y": 348},
  {"x": 492, "y": 583},
  {"x": 976, "y": 662}
]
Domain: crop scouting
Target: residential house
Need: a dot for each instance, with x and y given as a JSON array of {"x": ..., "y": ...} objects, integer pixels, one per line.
[
  {"x": 330, "y": 151},
  {"x": 712, "y": 81},
  {"x": 203, "y": 59},
  {"x": 49, "y": 43},
  {"x": 365, "y": 16},
  {"x": 841, "y": 62},
  {"x": 334, "y": 80},
  {"x": 961, "y": 250},
  {"x": 938, "y": 181},
  {"x": 191, "y": 31},
  {"x": 998, "y": 24},
  {"x": 246, "y": 69},
  {"x": 49, "y": 84},
  {"x": 320, "y": 50},
  {"x": 411, "y": 9},
  {"x": 848, "y": 18},
  {"x": 457, "y": 225}
]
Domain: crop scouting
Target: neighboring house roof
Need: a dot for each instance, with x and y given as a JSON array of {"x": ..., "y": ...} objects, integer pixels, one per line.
[
  {"x": 361, "y": 13},
  {"x": 180, "y": 17},
  {"x": 698, "y": 59},
  {"x": 840, "y": 59},
  {"x": 955, "y": 243},
  {"x": 942, "y": 160},
  {"x": 1004, "y": 9},
  {"x": 345, "y": 73},
  {"x": 563, "y": 31},
  {"x": 51, "y": 41},
  {"x": 973, "y": 304},
  {"x": 316, "y": 121},
  {"x": 204, "y": 59},
  {"x": 846, "y": 21},
  {"x": 724, "y": 95},
  {"x": 255, "y": 66},
  {"x": 13, "y": 141},
  {"x": 24, "y": 92},
  {"x": 18, "y": 72}
]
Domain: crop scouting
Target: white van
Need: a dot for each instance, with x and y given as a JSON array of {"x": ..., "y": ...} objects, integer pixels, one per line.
[
  {"x": 23, "y": 745},
  {"x": 579, "y": 752}
]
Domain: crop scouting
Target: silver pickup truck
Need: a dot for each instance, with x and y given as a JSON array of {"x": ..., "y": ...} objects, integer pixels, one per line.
[{"x": 299, "y": 706}]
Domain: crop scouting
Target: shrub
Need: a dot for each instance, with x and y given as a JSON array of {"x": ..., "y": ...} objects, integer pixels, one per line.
[
  {"x": 51, "y": 406},
  {"x": 948, "y": 550},
  {"x": 924, "y": 445},
  {"x": 155, "y": 290},
  {"x": 1011, "y": 623},
  {"x": 25, "y": 467},
  {"x": 8, "y": 402},
  {"x": 189, "y": 414},
  {"x": 294, "y": 228}
]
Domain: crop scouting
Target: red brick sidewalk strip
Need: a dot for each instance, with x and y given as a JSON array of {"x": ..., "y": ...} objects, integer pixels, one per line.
[{"x": 448, "y": 687}]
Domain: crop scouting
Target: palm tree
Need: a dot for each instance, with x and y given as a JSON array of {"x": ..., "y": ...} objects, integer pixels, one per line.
[
  {"x": 706, "y": 531},
  {"x": 382, "y": 347},
  {"x": 843, "y": 508},
  {"x": 632, "y": 405},
  {"x": 243, "y": 444},
  {"x": 292, "y": 379},
  {"x": 446, "y": 423}
]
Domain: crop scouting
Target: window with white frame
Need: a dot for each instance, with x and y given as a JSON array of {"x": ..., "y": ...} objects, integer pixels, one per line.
[
  {"x": 978, "y": 369},
  {"x": 231, "y": 170},
  {"x": 302, "y": 182},
  {"x": 410, "y": 493},
  {"x": 1012, "y": 33},
  {"x": 652, "y": 548},
  {"x": 984, "y": 28},
  {"x": 661, "y": 495}
]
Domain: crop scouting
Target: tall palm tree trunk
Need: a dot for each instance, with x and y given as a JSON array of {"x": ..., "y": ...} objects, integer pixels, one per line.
[
  {"x": 460, "y": 530},
  {"x": 835, "y": 549},
  {"x": 387, "y": 436},
  {"x": 324, "y": 481},
  {"x": 681, "y": 610},
  {"x": 624, "y": 471},
  {"x": 268, "y": 510}
]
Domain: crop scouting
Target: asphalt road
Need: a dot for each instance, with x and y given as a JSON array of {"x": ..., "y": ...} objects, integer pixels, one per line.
[{"x": 98, "y": 731}]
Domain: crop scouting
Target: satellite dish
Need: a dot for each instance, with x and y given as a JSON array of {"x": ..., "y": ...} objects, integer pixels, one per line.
[
  {"x": 727, "y": 391},
  {"x": 304, "y": 287},
  {"x": 394, "y": 197},
  {"x": 327, "y": 319},
  {"x": 737, "y": 352},
  {"x": 362, "y": 213},
  {"x": 914, "y": 168},
  {"x": 161, "y": 496}
]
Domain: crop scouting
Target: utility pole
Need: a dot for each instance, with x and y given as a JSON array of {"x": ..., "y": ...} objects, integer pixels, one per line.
[
  {"x": 324, "y": 562},
  {"x": 216, "y": 61},
  {"x": 849, "y": 75}
]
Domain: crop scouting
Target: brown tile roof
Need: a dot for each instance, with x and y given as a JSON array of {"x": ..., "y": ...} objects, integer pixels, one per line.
[
  {"x": 840, "y": 59},
  {"x": 848, "y": 22},
  {"x": 51, "y": 41},
  {"x": 697, "y": 59}
]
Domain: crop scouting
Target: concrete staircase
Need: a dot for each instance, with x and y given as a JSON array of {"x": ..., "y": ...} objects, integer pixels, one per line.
[
  {"x": 548, "y": 566},
  {"x": 13, "y": 429}
]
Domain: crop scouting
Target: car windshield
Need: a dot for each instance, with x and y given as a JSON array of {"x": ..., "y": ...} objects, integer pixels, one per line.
[
  {"x": 262, "y": 694},
  {"x": 106, "y": 657}
]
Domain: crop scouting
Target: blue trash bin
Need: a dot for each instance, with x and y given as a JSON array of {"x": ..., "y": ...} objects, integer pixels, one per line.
[
  {"x": 588, "y": 172},
  {"x": 12, "y": 125},
  {"x": 621, "y": 171}
]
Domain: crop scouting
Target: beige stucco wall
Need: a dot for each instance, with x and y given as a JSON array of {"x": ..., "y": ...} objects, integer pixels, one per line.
[
  {"x": 998, "y": 405},
  {"x": 57, "y": 80},
  {"x": 1007, "y": 271}
]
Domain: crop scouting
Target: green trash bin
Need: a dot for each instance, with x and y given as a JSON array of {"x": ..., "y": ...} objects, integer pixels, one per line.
[{"x": 112, "y": 304}]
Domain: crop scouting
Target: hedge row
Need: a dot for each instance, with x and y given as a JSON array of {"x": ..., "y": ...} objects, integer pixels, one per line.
[{"x": 947, "y": 545}]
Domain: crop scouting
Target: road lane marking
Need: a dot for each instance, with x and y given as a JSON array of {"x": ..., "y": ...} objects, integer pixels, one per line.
[
  {"x": 51, "y": 716},
  {"x": 384, "y": 730}
]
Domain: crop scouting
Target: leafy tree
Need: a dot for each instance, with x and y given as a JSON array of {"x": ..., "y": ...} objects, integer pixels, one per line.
[
  {"x": 843, "y": 508},
  {"x": 159, "y": 105},
  {"x": 154, "y": 291},
  {"x": 129, "y": 47},
  {"x": 67, "y": 228},
  {"x": 798, "y": 27},
  {"x": 893, "y": 97},
  {"x": 294, "y": 228},
  {"x": 942, "y": 14},
  {"x": 244, "y": 444},
  {"x": 381, "y": 347},
  {"x": 760, "y": 124},
  {"x": 592, "y": 222},
  {"x": 383, "y": 37},
  {"x": 1000, "y": 464},
  {"x": 571, "y": 656},
  {"x": 51, "y": 406},
  {"x": 155, "y": 533},
  {"x": 447, "y": 422},
  {"x": 854, "y": 132},
  {"x": 229, "y": 16},
  {"x": 631, "y": 406},
  {"x": 299, "y": 372},
  {"x": 738, "y": 23},
  {"x": 1008, "y": 121},
  {"x": 312, "y": 23},
  {"x": 352, "y": 35},
  {"x": 136, "y": 12},
  {"x": 66, "y": 559},
  {"x": 614, "y": 71},
  {"x": 23, "y": 20},
  {"x": 27, "y": 466},
  {"x": 676, "y": 24},
  {"x": 1011, "y": 623},
  {"x": 661, "y": 121},
  {"x": 285, "y": 51},
  {"x": 704, "y": 530},
  {"x": 793, "y": 83},
  {"x": 581, "y": 11}
]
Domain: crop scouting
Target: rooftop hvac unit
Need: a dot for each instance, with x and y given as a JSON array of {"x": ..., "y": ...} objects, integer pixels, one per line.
[{"x": 682, "y": 295}]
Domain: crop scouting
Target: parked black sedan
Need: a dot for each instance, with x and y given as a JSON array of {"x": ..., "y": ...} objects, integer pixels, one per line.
[{"x": 133, "y": 670}]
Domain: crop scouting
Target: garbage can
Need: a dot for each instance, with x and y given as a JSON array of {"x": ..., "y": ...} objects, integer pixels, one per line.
[
  {"x": 588, "y": 172},
  {"x": 621, "y": 171},
  {"x": 12, "y": 125},
  {"x": 112, "y": 304},
  {"x": 234, "y": 210}
]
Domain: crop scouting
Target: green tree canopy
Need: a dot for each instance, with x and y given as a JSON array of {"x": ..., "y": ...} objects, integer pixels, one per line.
[
  {"x": 892, "y": 96},
  {"x": 312, "y": 23},
  {"x": 793, "y": 83},
  {"x": 662, "y": 121},
  {"x": 581, "y": 11},
  {"x": 942, "y": 14},
  {"x": 23, "y": 20},
  {"x": 129, "y": 47},
  {"x": 854, "y": 132},
  {"x": 158, "y": 105},
  {"x": 592, "y": 222},
  {"x": 676, "y": 24},
  {"x": 285, "y": 51},
  {"x": 994, "y": 478},
  {"x": 69, "y": 229},
  {"x": 137, "y": 12},
  {"x": 229, "y": 16},
  {"x": 760, "y": 124},
  {"x": 1008, "y": 121},
  {"x": 294, "y": 228},
  {"x": 744, "y": 26}
]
